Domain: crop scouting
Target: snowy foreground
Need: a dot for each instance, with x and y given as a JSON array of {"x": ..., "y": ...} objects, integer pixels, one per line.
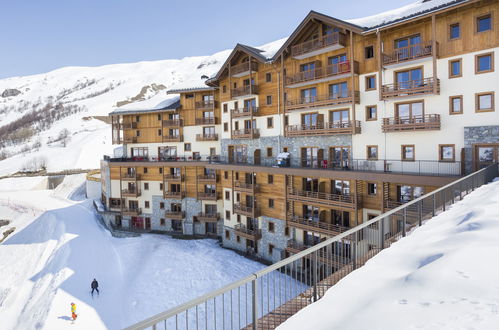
[
  {"x": 59, "y": 247},
  {"x": 445, "y": 275}
]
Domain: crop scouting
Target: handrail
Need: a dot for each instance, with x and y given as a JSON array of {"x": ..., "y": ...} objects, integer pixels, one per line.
[
  {"x": 330, "y": 70},
  {"x": 318, "y": 43},
  {"x": 408, "y": 53}
]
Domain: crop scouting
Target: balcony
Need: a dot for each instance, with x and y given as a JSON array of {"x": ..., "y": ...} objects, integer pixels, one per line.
[
  {"x": 350, "y": 127},
  {"x": 206, "y": 137},
  {"x": 175, "y": 215},
  {"x": 173, "y": 194},
  {"x": 416, "y": 123},
  {"x": 131, "y": 211},
  {"x": 247, "y": 133},
  {"x": 206, "y": 121},
  {"x": 318, "y": 46},
  {"x": 243, "y": 112},
  {"x": 173, "y": 123},
  {"x": 210, "y": 178},
  {"x": 322, "y": 74},
  {"x": 316, "y": 226},
  {"x": 246, "y": 210},
  {"x": 173, "y": 138},
  {"x": 249, "y": 233},
  {"x": 129, "y": 125},
  {"x": 173, "y": 177},
  {"x": 130, "y": 139},
  {"x": 244, "y": 69},
  {"x": 207, "y": 196},
  {"x": 304, "y": 103},
  {"x": 208, "y": 217},
  {"x": 205, "y": 105},
  {"x": 411, "y": 88},
  {"x": 246, "y": 187},
  {"x": 129, "y": 176},
  {"x": 130, "y": 193},
  {"x": 322, "y": 199},
  {"x": 409, "y": 53},
  {"x": 244, "y": 91}
]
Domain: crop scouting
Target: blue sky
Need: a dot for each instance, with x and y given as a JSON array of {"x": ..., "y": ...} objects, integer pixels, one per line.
[{"x": 38, "y": 36}]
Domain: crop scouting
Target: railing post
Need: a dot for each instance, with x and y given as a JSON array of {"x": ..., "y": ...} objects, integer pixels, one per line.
[
  {"x": 442, "y": 195},
  {"x": 253, "y": 303},
  {"x": 354, "y": 261},
  {"x": 404, "y": 220},
  {"x": 434, "y": 206},
  {"x": 382, "y": 233},
  {"x": 314, "y": 275},
  {"x": 420, "y": 212}
]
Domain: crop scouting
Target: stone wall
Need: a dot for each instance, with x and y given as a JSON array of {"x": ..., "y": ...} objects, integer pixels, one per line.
[
  {"x": 277, "y": 239},
  {"x": 477, "y": 135}
]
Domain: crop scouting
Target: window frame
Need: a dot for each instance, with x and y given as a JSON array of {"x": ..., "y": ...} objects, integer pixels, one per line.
[
  {"x": 477, "y": 102},
  {"x": 367, "y": 79},
  {"x": 402, "y": 151},
  {"x": 365, "y": 52},
  {"x": 368, "y": 190},
  {"x": 451, "y": 105},
  {"x": 267, "y": 99},
  {"x": 267, "y": 75},
  {"x": 441, "y": 159},
  {"x": 460, "y": 61},
  {"x": 270, "y": 122},
  {"x": 368, "y": 148},
  {"x": 449, "y": 29},
  {"x": 367, "y": 112},
  {"x": 478, "y": 56},
  {"x": 477, "y": 17}
]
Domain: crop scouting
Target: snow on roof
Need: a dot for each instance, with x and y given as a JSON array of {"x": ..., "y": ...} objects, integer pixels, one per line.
[
  {"x": 269, "y": 50},
  {"x": 150, "y": 105},
  {"x": 411, "y": 10}
]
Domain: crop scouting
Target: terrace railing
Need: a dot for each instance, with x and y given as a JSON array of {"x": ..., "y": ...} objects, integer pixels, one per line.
[{"x": 267, "y": 298}]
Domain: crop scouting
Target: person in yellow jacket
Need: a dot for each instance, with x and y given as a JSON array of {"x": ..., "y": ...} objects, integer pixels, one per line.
[{"x": 73, "y": 311}]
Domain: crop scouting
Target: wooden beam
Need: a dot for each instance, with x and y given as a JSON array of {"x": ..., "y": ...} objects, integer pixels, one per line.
[
  {"x": 434, "y": 53},
  {"x": 380, "y": 65}
]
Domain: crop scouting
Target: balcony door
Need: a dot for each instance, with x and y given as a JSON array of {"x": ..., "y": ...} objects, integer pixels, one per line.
[
  {"x": 133, "y": 205},
  {"x": 339, "y": 118},
  {"x": 311, "y": 157},
  {"x": 208, "y": 99},
  {"x": 409, "y": 112},
  {"x": 339, "y": 157},
  {"x": 340, "y": 218},
  {"x": 339, "y": 90},
  {"x": 335, "y": 63},
  {"x": 308, "y": 70},
  {"x": 209, "y": 131},
  {"x": 312, "y": 120},
  {"x": 408, "y": 47},
  {"x": 311, "y": 239},
  {"x": 166, "y": 153},
  {"x": 251, "y": 224},
  {"x": 308, "y": 95},
  {"x": 340, "y": 187},
  {"x": 409, "y": 78},
  {"x": 311, "y": 213},
  {"x": 175, "y": 188},
  {"x": 176, "y": 207},
  {"x": 250, "y": 104},
  {"x": 132, "y": 187},
  {"x": 174, "y": 132},
  {"x": 210, "y": 208},
  {"x": 310, "y": 184},
  {"x": 173, "y": 116}
]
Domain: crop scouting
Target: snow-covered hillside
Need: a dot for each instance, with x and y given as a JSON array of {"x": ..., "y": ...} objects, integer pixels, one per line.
[
  {"x": 96, "y": 91},
  {"x": 59, "y": 246},
  {"x": 442, "y": 276}
]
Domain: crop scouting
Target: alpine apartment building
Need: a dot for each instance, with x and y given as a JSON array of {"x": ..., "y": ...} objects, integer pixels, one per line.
[{"x": 282, "y": 149}]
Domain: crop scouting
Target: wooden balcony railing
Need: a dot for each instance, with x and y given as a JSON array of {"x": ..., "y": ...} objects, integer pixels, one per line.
[
  {"x": 246, "y": 210},
  {"x": 243, "y": 68},
  {"x": 207, "y": 178},
  {"x": 174, "y": 194},
  {"x": 323, "y": 72},
  {"x": 131, "y": 211},
  {"x": 129, "y": 176},
  {"x": 249, "y": 233},
  {"x": 130, "y": 192},
  {"x": 349, "y": 127},
  {"x": 208, "y": 217},
  {"x": 324, "y": 42},
  {"x": 324, "y": 199},
  {"x": 206, "y": 121},
  {"x": 243, "y": 112},
  {"x": 206, "y": 137},
  {"x": 129, "y": 125},
  {"x": 246, "y": 187},
  {"x": 173, "y": 177},
  {"x": 173, "y": 138},
  {"x": 316, "y": 226},
  {"x": 205, "y": 104},
  {"x": 173, "y": 122},
  {"x": 322, "y": 100},
  {"x": 130, "y": 139},
  {"x": 245, "y": 90},
  {"x": 175, "y": 215},
  {"x": 409, "y": 88},
  {"x": 207, "y": 196},
  {"x": 416, "y": 123},
  {"x": 409, "y": 53},
  {"x": 247, "y": 133}
]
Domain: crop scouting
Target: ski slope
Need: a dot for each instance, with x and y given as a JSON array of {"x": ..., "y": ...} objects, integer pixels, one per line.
[
  {"x": 59, "y": 247},
  {"x": 442, "y": 276}
]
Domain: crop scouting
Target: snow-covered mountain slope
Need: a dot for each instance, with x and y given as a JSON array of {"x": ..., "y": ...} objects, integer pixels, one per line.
[
  {"x": 442, "y": 276},
  {"x": 93, "y": 91}
]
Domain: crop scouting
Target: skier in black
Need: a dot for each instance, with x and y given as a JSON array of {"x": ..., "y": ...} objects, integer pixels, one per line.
[{"x": 95, "y": 286}]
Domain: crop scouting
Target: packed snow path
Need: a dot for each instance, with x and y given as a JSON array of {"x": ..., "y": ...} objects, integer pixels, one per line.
[
  {"x": 442, "y": 276},
  {"x": 59, "y": 247}
]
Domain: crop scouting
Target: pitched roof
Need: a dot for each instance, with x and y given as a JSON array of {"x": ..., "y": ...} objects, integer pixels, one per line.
[{"x": 171, "y": 103}]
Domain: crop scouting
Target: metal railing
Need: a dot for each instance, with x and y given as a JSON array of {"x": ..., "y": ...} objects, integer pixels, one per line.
[{"x": 268, "y": 297}]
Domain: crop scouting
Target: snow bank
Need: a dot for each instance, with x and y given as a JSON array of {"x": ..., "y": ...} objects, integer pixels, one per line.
[{"x": 443, "y": 276}]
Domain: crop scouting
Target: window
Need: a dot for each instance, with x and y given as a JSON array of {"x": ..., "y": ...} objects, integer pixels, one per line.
[
  {"x": 286, "y": 231},
  {"x": 372, "y": 152},
  {"x": 162, "y": 222},
  {"x": 226, "y": 107},
  {"x": 137, "y": 133},
  {"x": 372, "y": 188},
  {"x": 455, "y": 68},
  {"x": 146, "y": 204},
  {"x": 454, "y": 31},
  {"x": 446, "y": 152},
  {"x": 369, "y": 52},
  {"x": 269, "y": 99},
  {"x": 137, "y": 118},
  {"x": 409, "y": 112},
  {"x": 408, "y": 152},
  {"x": 371, "y": 112},
  {"x": 238, "y": 239},
  {"x": 271, "y": 204},
  {"x": 484, "y": 63},
  {"x": 271, "y": 227},
  {"x": 224, "y": 89},
  {"x": 270, "y": 122},
  {"x": 140, "y": 152},
  {"x": 226, "y": 175},
  {"x": 268, "y": 77},
  {"x": 238, "y": 218},
  {"x": 160, "y": 170},
  {"x": 484, "y": 102},
  {"x": 226, "y": 127},
  {"x": 146, "y": 186},
  {"x": 456, "y": 105},
  {"x": 484, "y": 23},
  {"x": 270, "y": 179},
  {"x": 269, "y": 152},
  {"x": 284, "y": 149},
  {"x": 159, "y": 132},
  {"x": 308, "y": 95},
  {"x": 227, "y": 215},
  {"x": 145, "y": 170},
  {"x": 187, "y": 147},
  {"x": 162, "y": 205},
  {"x": 370, "y": 83},
  {"x": 286, "y": 120},
  {"x": 227, "y": 234},
  {"x": 408, "y": 78},
  {"x": 271, "y": 249},
  {"x": 159, "y": 116},
  {"x": 227, "y": 195},
  {"x": 161, "y": 186}
]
